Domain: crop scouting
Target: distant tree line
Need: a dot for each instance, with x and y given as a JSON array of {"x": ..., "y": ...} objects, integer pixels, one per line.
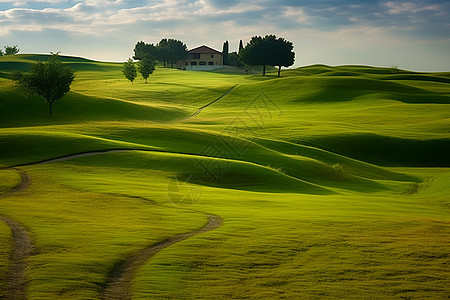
[
  {"x": 167, "y": 51},
  {"x": 9, "y": 50},
  {"x": 259, "y": 51}
]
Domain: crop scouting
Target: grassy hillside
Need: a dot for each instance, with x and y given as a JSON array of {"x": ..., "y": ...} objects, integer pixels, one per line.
[{"x": 331, "y": 182}]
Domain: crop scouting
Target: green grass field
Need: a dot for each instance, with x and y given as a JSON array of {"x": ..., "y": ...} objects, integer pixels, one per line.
[{"x": 331, "y": 182}]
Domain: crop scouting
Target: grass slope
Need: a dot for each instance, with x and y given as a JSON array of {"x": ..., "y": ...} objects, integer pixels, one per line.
[
  {"x": 6, "y": 241},
  {"x": 331, "y": 181}
]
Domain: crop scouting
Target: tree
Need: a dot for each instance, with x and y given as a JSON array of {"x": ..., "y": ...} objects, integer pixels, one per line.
[
  {"x": 171, "y": 50},
  {"x": 268, "y": 51},
  {"x": 143, "y": 50},
  {"x": 233, "y": 59},
  {"x": 166, "y": 51},
  {"x": 178, "y": 50},
  {"x": 146, "y": 67},
  {"x": 239, "y": 59},
  {"x": 1, "y": 52},
  {"x": 284, "y": 56},
  {"x": 11, "y": 50},
  {"x": 225, "y": 51},
  {"x": 241, "y": 46},
  {"x": 252, "y": 53},
  {"x": 49, "y": 80},
  {"x": 129, "y": 70}
]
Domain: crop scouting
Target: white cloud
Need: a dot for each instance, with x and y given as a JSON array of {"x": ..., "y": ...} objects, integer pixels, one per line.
[
  {"x": 297, "y": 14},
  {"x": 408, "y": 7},
  {"x": 26, "y": 2}
]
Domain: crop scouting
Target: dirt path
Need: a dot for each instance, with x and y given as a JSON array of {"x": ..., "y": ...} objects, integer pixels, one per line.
[
  {"x": 120, "y": 280},
  {"x": 22, "y": 248},
  {"x": 205, "y": 106},
  {"x": 119, "y": 283},
  {"x": 25, "y": 181}
]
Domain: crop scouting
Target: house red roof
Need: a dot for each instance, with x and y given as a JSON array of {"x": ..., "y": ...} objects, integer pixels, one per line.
[{"x": 204, "y": 50}]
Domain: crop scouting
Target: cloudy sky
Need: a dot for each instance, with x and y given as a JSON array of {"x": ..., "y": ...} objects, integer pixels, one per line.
[{"x": 412, "y": 34}]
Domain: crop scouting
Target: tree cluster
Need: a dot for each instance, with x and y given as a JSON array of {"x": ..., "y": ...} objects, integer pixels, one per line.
[
  {"x": 262, "y": 51},
  {"x": 145, "y": 66},
  {"x": 167, "y": 51},
  {"x": 9, "y": 50}
]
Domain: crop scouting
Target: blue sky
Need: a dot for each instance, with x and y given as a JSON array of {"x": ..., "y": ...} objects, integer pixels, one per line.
[{"x": 413, "y": 35}]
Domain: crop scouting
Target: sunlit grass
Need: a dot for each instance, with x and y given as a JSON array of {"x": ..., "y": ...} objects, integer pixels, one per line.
[
  {"x": 81, "y": 235},
  {"x": 320, "y": 177}
]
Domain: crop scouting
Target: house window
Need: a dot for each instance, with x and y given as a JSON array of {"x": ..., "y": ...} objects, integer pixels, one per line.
[
  {"x": 212, "y": 55},
  {"x": 193, "y": 63},
  {"x": 211, "y": 63},
  {"x": 186, "y": 63},
  {"x": 202, "y": 63},
  {"x": 196, "y": 55}
]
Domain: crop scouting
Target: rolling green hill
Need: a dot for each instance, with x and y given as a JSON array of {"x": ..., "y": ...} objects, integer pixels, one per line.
[{"x": 330, "y": 181}]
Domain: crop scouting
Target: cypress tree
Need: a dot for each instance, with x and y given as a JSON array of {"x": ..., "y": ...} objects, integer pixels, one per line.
[
  {"x": 241, "y": 46},
  {"x": 225, "y": 52}
]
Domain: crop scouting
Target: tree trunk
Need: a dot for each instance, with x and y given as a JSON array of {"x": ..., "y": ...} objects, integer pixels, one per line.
[
  {"x": 264, "y": 70},
  {"x": 164, "y": 64},
  {"x": 279, "y": 71},
  {"x": 51, "y": 109}
]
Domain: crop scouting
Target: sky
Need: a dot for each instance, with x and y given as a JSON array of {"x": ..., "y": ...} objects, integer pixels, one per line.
[{"x": 413, "y": 35}]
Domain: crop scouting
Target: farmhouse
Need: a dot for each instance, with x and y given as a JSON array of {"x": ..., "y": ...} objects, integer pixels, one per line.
[{"x": 202, "y": 58}]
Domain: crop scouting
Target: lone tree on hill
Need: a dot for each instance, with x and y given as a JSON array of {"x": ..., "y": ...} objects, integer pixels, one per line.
[
  {"x": 268, "y": 51},
  {"x": 49, "y": 80},
  {"x": 146, "y": 67},
  {"x": 129, "y": 70},
  {"x": 225, "y": 51},
  {"x": 11, "y": 50}
]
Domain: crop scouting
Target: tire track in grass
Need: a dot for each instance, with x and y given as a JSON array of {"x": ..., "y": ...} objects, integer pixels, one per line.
[
  {"x": 120, "y": 279},
  {"x": 22, "y": 247}
]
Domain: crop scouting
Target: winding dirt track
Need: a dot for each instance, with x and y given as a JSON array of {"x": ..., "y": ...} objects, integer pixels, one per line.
[
  {"x": 22, "y": 248},
  {"x": 120, "y": 280},
  {"x": 25, "y": 181}
]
